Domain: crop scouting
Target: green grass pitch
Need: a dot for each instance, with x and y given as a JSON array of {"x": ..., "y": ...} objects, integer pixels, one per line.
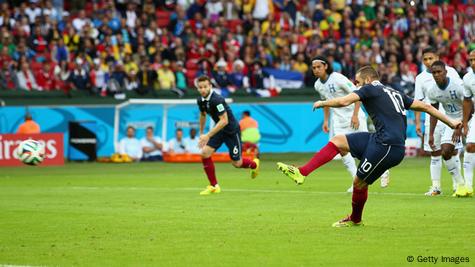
[{"x": 151, "y": 214}]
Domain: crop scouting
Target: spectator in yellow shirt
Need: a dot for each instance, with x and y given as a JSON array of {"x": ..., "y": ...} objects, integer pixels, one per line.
[
  {"x": 166, "y": 77},
  {"x": 300, "y": 64}
]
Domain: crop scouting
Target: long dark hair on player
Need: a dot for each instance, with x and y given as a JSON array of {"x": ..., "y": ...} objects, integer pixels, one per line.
[{"x": 324, "y": 61}]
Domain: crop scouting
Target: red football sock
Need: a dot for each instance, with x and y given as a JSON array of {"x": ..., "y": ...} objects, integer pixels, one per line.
[
  {"x": 358, "y": 199},
  {"x": 323, "y": 156},
  {"x": 247, "y": 163},
  {"x": 208, "y": 165}
]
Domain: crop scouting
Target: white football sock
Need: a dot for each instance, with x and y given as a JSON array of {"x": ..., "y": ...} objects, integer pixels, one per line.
[
  {"x": 435, "y": 170},
  {"x": 468, "y": 162},
  {"x": 459, "y": 166},
  {"x": 350, "y": 164},
  {"x": 451, "y": 165}
]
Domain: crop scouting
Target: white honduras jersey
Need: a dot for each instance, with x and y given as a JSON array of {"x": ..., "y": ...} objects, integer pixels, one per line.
[
  {"x": 425, "y": 81},
  {"x": 451, "y": 97},
  {"x": 469, "y": 85},
  {"x": 337, "y": 85}
]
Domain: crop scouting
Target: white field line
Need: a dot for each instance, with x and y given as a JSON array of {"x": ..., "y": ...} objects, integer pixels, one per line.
[{"x": 133, "y": 188}]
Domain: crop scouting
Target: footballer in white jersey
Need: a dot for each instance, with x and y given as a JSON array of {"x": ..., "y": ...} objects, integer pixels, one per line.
[
  {"x": 337, "y": 85},
  {"x": 469, "y": 126},
  {"x": 451, "y": 98},
  {"x": 469, "y": 94},
  {"x": 449, "y": 93},
  {"x": 424, "y": 81}
]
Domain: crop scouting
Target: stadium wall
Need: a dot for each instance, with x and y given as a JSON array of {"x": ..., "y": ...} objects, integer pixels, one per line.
[{"x": 285, "y": 127}]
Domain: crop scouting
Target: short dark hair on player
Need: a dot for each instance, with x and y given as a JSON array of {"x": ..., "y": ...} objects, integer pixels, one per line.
[
  {"x": 246, "y": 112},
  {"x": 439, "y": 63},
  {"x": 149, "y": 127},
  {"x": 179, "y": 130},
  {"x": 429, "y": 49},
  {"x": 324, "y": 61},
  {"x": 203, "y": 78},
  {"x": 368, "y": 72}
]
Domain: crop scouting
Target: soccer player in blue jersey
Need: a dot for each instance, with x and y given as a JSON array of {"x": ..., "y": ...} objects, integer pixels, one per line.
[
  {"x": 377, "y": 151},
  {"x": 226, "y": 130}
]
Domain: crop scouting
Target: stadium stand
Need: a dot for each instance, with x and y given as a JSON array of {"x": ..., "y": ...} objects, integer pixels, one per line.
[{"x": 75, "y": 36}]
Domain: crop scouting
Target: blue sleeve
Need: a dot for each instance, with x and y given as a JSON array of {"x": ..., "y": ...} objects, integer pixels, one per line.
[
  {"x": 200, "y": 105},
  {"x": 407, "y": 101},
  {"x": 365, "y": 92},
  {"x": 219, "y": 105}
]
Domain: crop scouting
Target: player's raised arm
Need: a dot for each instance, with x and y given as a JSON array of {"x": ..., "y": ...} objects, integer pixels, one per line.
[
  {"x": 337, "y": 102},
  {"x": 421, "y": 106}
]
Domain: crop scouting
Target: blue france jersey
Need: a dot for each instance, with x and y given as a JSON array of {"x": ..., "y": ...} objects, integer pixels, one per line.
[
  {"x": 387, "y": 108},
  {"x": 215, "y": 105}
]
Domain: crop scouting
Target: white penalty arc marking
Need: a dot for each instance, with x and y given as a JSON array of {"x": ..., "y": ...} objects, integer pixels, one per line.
[{"x": 132, "y": 188}]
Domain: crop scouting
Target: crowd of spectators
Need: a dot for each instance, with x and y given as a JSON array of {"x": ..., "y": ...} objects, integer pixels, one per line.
[
  {"x": 152, "y": 147},
  {"x": 109, "y": 47}
]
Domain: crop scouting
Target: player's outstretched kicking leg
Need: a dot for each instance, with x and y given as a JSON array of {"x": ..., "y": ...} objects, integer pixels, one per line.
[
  {"x": 375, "y": 159},
  {"x": 327, "y": 153}
]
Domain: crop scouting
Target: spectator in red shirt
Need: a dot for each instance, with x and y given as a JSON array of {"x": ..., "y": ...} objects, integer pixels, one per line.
[
  {"x": 45, "y": 77},
  {"x": 409, "y": 65}
]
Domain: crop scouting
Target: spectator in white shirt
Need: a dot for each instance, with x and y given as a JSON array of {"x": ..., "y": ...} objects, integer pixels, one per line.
[
  {"x": 191, "y": 142},
  {"x": 177, "y": 145},
  {"x": 152, "y": 146},
  {"x": 33, "y": 11},
  {"x": 130, "y": 145},
  {"x": 80, "y": 21}
]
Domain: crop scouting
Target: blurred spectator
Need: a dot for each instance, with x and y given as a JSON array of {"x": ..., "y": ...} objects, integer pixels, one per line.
[
  {"x": 177, "y": 144},
  {"x": 180, "y": 77},
  {"x": 62, "y": 74},
  {"x": 7, "y": 77},
  {"x": 29, "y": 126},
  {"x": 131, "y": 81},
  {"x": 116, "y": 83},
  {"x": 191, "y": 142},
  {"x": 98, "y": 77},
  {"x": 80, "y": 77},
  {"x": 300, "y": 65},
  {"x": 152, "y": 146},
  {"x": 146, "y": 78},
  {"x": 130, "y": 145},
  {"x": 221, "y": 79},
  {"x": 250, "y": 134},
  {"x": 45, "y": 77},
  {"x": 237, "y": 75},
  {"x": 198, "y": 33},
  {"x": 25, "y": 78},
  {"x": 166, "y": 78}
]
